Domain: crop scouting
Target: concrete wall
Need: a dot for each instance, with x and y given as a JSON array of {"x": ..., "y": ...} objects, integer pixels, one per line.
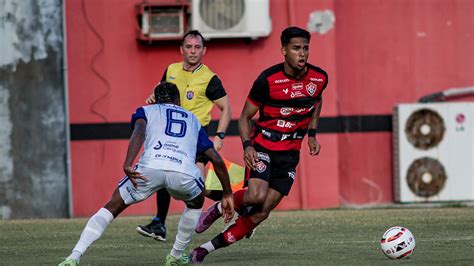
[{"x": 33, "y": 121}]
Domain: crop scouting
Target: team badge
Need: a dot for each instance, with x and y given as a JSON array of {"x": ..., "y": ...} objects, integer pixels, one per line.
[
  {"x": 189, "y": 95},
  {"x": 311, "y": 88},
  {"x": 260, "y": 167}
]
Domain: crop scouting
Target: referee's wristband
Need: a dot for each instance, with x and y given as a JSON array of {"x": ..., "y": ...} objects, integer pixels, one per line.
[
  {"x": 312, "y": 132},
  {"x": 247, "y": 143}
]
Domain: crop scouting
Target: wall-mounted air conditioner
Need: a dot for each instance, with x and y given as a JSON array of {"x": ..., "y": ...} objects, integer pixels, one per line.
[
  {"x": 164, "y": 20},
  {"x": 231, "y": 18},
  {"x": 433, "y": 152}
]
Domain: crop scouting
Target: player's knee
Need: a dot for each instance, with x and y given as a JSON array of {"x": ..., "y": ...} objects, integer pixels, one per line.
[{"x": 256, "y": 197}]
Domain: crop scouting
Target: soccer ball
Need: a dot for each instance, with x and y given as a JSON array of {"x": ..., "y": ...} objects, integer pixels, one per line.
[{"x": 397, "y": 242}]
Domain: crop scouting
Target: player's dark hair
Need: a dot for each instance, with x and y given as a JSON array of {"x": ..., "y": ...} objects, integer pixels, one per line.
[
  {"x": 194, "y": 33},
  {"x": 293, "y": 32},
  {"x": 166, "y": 92}
]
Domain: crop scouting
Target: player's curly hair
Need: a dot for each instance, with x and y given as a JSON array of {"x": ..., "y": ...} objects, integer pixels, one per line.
[
  {"x": 293, "y": 32},
  {"x": 166, "y": 92}
]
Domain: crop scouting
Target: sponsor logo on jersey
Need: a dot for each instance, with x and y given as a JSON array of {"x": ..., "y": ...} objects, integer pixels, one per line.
[
  {"x": 189, "y": 95},
  {"x": 260, "y": 167},
  {"x": 278, "y": 81},
  {"x": 263, "y": 156},
  {"x": 286, "y": 110},
  {"x": 291, "y": 175},
  {"x": 285, "y": 124},
  {"x": 311, "y": 88},
  {"x": 316, "y": 79},
  {"x": 297, "y": 86},
  {"x": 158, "y": 146},
  {"x": 266, "y": 133},
  {"x": 296, "y": 94},
  {"x": 172, "y": 78}
]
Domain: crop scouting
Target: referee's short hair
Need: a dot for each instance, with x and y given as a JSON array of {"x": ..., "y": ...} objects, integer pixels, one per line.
[{"x": 194, "y": 33}]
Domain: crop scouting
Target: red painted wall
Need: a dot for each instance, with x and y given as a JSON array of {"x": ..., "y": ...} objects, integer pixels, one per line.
[
  {"x": 378, "y": 54},
  {"x": 391, "y": 52}
]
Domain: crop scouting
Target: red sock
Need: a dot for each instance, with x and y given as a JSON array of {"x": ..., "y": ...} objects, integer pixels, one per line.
[
  {"x": 243, "y": 225},
  {"x": 239, "y": 199}
]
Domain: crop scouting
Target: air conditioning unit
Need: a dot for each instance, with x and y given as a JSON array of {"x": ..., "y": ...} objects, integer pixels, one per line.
[
  {"x": 433, "y": 152},
  {"x": 166, "y": 20},
  {"x": 231, "y": 18}
]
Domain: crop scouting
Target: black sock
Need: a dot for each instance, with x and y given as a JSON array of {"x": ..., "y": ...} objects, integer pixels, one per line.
[{"x": 219, "y": 242}]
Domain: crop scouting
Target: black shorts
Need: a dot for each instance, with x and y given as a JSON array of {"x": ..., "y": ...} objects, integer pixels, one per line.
[{"x": 278, "y": 168}]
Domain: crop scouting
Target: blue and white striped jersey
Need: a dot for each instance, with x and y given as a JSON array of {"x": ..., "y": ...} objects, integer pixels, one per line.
[{"x": 173, "y": 136}]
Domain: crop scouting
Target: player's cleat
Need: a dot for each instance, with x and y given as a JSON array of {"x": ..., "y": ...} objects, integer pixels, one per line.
[
  {"x": 197, "y": 255},
  {"x": 155, "y": 230},
  {"x": 172, "y": 261},
  {"x": 207, "y": 218},
  {"x": 69, "y": 262}
]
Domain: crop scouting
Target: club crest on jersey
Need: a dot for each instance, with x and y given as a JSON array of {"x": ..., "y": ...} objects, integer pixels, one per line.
[
  {"x": 189, "y": 95},
  {"x": 311, "y": 88},
  {"x": 260, "y": 167}
]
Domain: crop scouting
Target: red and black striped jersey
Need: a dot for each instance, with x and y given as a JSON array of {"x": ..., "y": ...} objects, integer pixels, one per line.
[{"x": 286, "y": 105}]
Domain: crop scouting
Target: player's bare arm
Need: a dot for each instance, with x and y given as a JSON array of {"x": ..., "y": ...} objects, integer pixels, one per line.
[
  {"x": 221, "y": 172},
  {"x": 245, "y": 129},
  {"x": 224, "y": 106},
  {"x": 134, "y": 146},
  {"x": 313, "y": 144}
]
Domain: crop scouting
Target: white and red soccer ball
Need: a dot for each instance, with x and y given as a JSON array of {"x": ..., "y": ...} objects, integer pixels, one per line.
[{"x": 397, "y": 242}]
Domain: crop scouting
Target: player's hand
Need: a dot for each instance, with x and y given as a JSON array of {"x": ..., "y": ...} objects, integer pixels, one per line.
[
  {"x": 314, "y": 146},
  {"x": 227, "y": 204},
  {"x": 151, "y": 99},
  {"x": 218, "y": 142},
  {"x": 250, "y": 157},
  {"x": 133, "y": 175}
]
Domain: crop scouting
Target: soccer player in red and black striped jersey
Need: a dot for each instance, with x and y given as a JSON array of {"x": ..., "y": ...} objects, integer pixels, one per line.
[{"x": 288, "y": 97}]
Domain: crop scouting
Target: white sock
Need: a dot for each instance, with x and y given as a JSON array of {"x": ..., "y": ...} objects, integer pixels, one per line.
[
  {"x": 93, "y": 230},
  {"x": 208, "y": 246},
  {"x": 187, "y": 224}
]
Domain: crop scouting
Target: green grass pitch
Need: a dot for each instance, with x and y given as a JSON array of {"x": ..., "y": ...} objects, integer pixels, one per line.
[{"x": 444, "y": 236}]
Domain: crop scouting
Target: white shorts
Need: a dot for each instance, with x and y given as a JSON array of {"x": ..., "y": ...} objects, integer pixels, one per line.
[{"x": 180, "y": 186}]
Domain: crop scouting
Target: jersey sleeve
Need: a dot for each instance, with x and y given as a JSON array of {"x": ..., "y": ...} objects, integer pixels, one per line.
[
  {"x": 203, "y": 141},
  {"x": 139, "y": 113},
  {"x": 215, "y": 90},
  {"x": 259, "y": 92}
]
